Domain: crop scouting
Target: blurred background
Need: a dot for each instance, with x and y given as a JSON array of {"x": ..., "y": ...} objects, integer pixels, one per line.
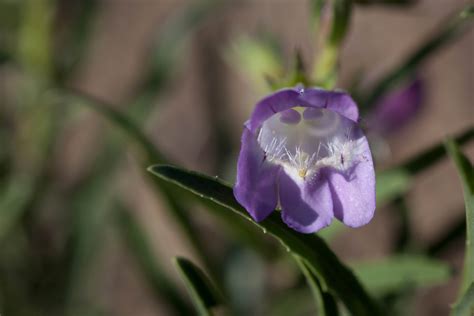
[{"x": 83, "y": 230}]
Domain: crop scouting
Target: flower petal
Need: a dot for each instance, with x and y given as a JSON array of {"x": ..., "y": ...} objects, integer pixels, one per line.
[
  {"x": 279, "y": 101},
  {"x": 306, "y": 205},
  {"x": 353, "y": 192},
  {"x": 336, "y": 101},
  {"x": 256, "y": 186},
  {"x": 398, "y": 107}
]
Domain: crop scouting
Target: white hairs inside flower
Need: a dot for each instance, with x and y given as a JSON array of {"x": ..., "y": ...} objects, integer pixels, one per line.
[{"x": 304, "y": 140}]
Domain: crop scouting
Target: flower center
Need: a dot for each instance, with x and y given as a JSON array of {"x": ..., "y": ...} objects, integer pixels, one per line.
[{"x": 304, "y": 140}]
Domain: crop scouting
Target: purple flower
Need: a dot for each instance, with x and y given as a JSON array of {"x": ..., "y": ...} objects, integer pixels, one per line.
[
  {"x": 397, "y": 107},
  {"x": 303, "y": 152}
]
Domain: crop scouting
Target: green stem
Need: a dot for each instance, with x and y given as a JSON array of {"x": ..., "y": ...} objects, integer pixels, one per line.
[
  {"x": 466, "y": 173},
  {"x": 325, "y": 69}
]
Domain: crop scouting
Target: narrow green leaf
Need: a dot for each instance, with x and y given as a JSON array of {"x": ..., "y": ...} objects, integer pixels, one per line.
[
  {"x": 466, "y": 173},
  {"x": 335, "y": 277},
  {"x": 154, "y": 273},
  {"x": 203, "y": 292},
  {"x": 327, "y": 305},
  {"x": 393, "y": 274},
  {"x": 465, "y": 305},
  {"x": 447, "y": 32}
]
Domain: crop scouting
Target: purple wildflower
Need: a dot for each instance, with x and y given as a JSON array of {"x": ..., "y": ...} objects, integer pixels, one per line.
[
  {"x": 303, "y": 152},
  {"x": 397, "y": 108}
]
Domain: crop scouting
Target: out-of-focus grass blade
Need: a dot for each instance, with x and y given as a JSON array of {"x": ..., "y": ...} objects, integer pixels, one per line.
[
  {"x": 261, "y": 60},
  {"x": 465, "y": 305},
  {"x": 120, "y": 120},
  {"x": 4, "y": 56},
  {"x": 393, "y": 274},
  {"x": 334, "y": 276},
  {"x": 138, "y": 244},
  {"x": 391, "y": 184},
  {"x": 466, "y": 173},
  {"x": 34, "y": 44},
  {"x": 238, "y": 227},
  {"x": 90, "y": 211},
  {"x": 447, "y": 32},
  {"x": 202, "y": 291},
  {"x": 332, "y": 231},
  {"x": 170, "y": 44},
  {"x": 13, "y": 200},
  {"x": 397, "y": 178},
  {"x": 74, "y": 36},
  {"x": 298, "y": 301},
  {"x": 317, "y": 7},
  {"x": 327, "y": 305},
  {"x": 455, "y": 231},
  {"x": 385, "y": 2},
  {"x": 131, "y": 129},
  {"x": 428, "y": 157}
]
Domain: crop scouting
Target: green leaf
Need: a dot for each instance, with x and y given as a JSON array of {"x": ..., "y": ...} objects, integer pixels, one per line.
[
  {"x": 391, "y": 184},
  {"x": 260, "y": 59},
  {"x": 335, "y": 277},
  {"x": 327, "y": 305},
  {"x": 154, "y": 273},
  {"x": 465, "y": 305},
  {"x": 393, "y": 274},
  {"x": 202, "y": 291},
  {"x": 466, "y": 173},
  {"x": 447, "y": 32}
]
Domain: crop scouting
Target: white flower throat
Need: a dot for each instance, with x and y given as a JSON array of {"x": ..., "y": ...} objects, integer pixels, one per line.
[{"x": 304, "y": 140}]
